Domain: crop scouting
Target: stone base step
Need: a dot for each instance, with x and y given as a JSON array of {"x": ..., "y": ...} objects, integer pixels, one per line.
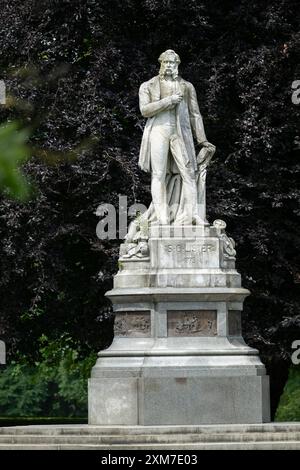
[
  {"x": 280, "y": 445},
  {"x": 146, "y": 439},
  {"x": 278, "y": 436}
]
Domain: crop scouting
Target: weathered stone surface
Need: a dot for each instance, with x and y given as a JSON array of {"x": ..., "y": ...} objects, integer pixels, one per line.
[
  {"x": 234, "y": 323},
  {"x": 111, "y": 399},
  {"x": 203, "y": 400}
]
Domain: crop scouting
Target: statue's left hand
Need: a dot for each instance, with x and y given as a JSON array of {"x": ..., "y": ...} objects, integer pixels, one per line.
[
  {"x": 206, "y": 153},
  {"x": 209, "y": 146}
]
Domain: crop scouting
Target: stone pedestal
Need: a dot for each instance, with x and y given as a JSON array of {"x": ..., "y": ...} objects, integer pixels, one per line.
[{"x": 178, "y": 356}]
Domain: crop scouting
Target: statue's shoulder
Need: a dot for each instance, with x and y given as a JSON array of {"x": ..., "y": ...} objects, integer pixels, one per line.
[
  {"x": 149, "y": 83},
  {"x": 187, "y": 83}
]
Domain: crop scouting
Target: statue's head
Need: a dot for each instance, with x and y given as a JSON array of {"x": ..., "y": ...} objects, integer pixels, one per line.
[{"x": 169, "y": 62}]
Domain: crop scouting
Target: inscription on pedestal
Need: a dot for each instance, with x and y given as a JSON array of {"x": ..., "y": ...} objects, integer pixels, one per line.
[
  {"x": 133, "y": 324},
  {"x": 187, "y": 253},
  {"x": 190, "y": 248},
  {"x": 192, "y": 323}
]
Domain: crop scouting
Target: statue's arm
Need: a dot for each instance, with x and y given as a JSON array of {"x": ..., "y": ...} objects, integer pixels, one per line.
[
  {"x": 195, "y": 116},
  {"x": 149, "y": 109}
]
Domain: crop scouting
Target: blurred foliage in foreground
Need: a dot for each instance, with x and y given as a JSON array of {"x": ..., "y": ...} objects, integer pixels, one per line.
[
  {"x": 13, "y": 152},
  {"x": 289, "y": 405}
]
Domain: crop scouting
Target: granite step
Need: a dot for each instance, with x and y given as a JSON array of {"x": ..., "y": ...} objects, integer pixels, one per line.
[
  {"x": 239, "y": 436},
  {"x": 148, "y": 439},
  {"x": 264, "y": 445},
  {"x": 85, "y": 429}
]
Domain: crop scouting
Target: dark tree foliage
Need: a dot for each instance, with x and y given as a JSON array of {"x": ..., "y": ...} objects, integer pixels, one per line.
[{"x": 72, "y": 69}]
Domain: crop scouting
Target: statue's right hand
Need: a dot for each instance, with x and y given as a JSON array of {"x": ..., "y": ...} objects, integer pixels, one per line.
[{"x": 176, "y": 98}]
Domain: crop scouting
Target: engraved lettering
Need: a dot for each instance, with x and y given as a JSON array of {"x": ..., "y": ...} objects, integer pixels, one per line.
[{"x": 191, "y": 250}]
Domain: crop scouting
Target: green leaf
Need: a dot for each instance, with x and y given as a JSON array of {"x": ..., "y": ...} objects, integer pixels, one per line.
[{"x": 13, "y": 152}]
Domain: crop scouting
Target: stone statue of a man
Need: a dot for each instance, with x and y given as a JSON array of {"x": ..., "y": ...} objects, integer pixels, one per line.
[{"x": 167, "y": 149}]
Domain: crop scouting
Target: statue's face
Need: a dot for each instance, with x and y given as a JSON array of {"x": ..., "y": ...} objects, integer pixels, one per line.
[{"x": 168, "y": 66}]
